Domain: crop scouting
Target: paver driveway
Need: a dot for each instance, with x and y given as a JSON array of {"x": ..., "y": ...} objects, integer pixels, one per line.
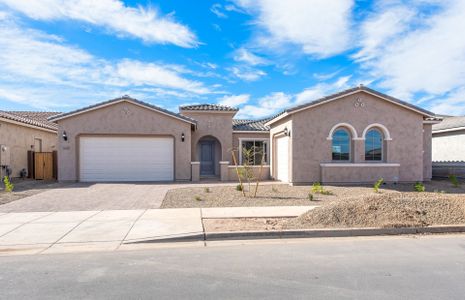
[{"x": 98, "y": 196}]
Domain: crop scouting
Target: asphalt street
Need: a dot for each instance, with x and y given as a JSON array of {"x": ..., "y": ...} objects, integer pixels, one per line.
[{"x": 420, "y": 267}]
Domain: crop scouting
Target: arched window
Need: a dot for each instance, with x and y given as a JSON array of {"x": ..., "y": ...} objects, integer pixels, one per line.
[
  {"x": 374, "y": 145},
  {"x": 341, "y": 145}
]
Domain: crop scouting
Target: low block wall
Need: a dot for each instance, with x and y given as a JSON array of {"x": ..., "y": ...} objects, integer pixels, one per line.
[
  {"x": 359, "y": 173},
  {"x": 444, "y": 169},
  {"x": 265, "y": 175}
]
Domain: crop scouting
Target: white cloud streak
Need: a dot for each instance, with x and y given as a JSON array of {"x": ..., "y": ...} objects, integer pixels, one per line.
[
  {"x": 234, "y": 100},
  {"x": 145, "y": 23}
]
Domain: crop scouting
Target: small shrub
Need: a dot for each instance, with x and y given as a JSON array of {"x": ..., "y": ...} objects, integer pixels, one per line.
[
  {"x": 239, "y": 188},
  {"x": 316, "y": 187},
  {"x": 198, "y": 198},
  {"x": 310, "y": 196},
  {"x": 8, "y": 185},
  {"x": 207, "y": 190},
  {"x": 453, "y": 179},
  {"x": 377, "y": 185},
  {"x": 326, "y": 192},
  {"x": 419, "y": 187}
]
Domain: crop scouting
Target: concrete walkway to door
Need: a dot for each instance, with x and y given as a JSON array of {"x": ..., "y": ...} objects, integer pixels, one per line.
[{"x": 99, "y": 196}]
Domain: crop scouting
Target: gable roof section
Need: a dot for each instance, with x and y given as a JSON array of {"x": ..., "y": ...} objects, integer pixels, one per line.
[
  {"x": 31, "y": 118},
  {"x": 119, "y": 100},
  {"x": 426, "y": 114},
  {"x": 208, "y": 107},
  {"x": 250, "y": 125},
  {"x": 450, "y": 124}
]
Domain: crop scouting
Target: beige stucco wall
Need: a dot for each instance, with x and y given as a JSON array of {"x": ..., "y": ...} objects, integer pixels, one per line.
[
  {"x": 353, "y": 173},
  {"x": 311, "y": 127},
  {"x": 449, "y": 146},
  {"x": 123, "y": 118},
  {"x": 212, "y": 124},
  {"x": 19, "y": 140},
  {"x": 264, "y": 174}
]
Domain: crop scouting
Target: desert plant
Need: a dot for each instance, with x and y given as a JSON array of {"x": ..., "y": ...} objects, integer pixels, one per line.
[
  {"x": 310, "y": 196},
  {"x": 419, "y": 187},
  {"x": 326, "y": 192},
  {"x": 453, "y": 179},
  {"x": 8, "y": 185},
  {"x": 207, "y": 190},
  {"x": 245, "y": 172},
  {"x": 377, "y": 185},
  {"x": 198, "y": 198},
  {"x": 239, "y": 188},
  {"x": 316, "y": 187}
]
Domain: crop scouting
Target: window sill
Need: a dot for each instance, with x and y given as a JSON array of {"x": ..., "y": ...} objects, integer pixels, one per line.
[{"x": 359, "y": 165}]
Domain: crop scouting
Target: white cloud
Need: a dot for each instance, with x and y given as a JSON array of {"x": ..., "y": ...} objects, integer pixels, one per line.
[
  {"x": 321, "y": 90},
  {"x": 426, "y": 58},
  {"x": 216, "y": 10},
  {"x": 452, "y": 104},
  {"x": 113, "y": 15},
  {"x": 266, "y": 106},
  {"x": 234, "y": 100},
  {"x": 44, "y": 70},
  {"x": 247, "y": 74},
  {"x": 319, "y": 27},
  {"x": 245, "y": 56}
]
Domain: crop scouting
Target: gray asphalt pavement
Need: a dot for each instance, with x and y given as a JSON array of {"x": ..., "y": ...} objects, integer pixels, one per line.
[{"x": 428, "y": 267}]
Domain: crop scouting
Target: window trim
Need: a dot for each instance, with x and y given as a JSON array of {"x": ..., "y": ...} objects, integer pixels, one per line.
[
  {"x": 381, "y": 132},
  {"x": 265, "y": 140},
  {"x": 348, "y": 131}
]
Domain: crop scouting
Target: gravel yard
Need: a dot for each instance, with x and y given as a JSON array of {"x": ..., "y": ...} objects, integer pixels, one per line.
[{"x": 25, "y": 188}]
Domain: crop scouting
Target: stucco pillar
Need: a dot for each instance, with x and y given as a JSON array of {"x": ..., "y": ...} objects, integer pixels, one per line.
[
  {"x": 195, "y": 171},
  {"x": 387, "y": 151},
  {"x": 359, "y": 152},
  {"x": 224, "y": 172}
]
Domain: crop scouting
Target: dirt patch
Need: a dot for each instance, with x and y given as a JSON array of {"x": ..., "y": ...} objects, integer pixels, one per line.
[
  {"x": 25, "y": 188},
  {"x": 386, "y": 210},
  {"x": 244, "y": 224}
]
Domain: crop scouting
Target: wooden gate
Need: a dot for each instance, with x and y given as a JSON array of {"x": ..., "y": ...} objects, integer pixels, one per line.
[{"x": 43, "y": 165}]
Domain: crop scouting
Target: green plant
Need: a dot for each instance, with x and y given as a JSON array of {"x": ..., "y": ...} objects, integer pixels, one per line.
[
  {"x": 8, "y": 185},
  {"x": 310, "y": 196},
  {"x": 316, "y": 187},
  {"x": 378, "y": 184},
  {"x": 419, "y": 187},
  {"x": 198, "y": 198},
  {"x": 453, "y": 179},
  {"x": 239, "y": 188},
  {"x": 207, "y": 190}
]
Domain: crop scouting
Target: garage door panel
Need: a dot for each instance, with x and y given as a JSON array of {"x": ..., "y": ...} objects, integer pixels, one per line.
[{"x": 126, "y": 159}]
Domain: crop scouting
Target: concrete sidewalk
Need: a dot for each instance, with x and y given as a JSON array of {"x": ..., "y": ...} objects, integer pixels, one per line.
[{"x": 51, "y": 232}]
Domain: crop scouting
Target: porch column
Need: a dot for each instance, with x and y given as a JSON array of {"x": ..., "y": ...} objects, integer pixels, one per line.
[
  {"x": 224, "y": 171},
  {"x": 359, "y": 150},
  {"x": 195, "y": 171}
]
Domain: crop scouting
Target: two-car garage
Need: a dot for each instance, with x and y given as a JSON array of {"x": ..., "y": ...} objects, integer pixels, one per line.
[{"x": 126, "y": 158}]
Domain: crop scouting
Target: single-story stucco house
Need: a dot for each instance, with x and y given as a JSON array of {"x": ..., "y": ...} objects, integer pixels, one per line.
[
  {"x": 354, "y": 136},
  {"x": 23, "y": 131},
  {"x": 449, "y": 147}
]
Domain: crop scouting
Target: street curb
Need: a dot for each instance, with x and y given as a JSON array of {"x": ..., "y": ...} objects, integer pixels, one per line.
[{"x": 304, "y": 233}]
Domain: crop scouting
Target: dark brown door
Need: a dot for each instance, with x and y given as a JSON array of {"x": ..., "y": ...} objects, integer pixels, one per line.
[{"x": 43, "y": 165}]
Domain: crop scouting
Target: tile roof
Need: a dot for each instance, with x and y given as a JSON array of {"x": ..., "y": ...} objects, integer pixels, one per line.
[
  {"x": 123, "y": 98},
  {"x": 251, "y": 125},
  {"x": 450, "y": 123},
  {"x": 34, "y": 118},
  {"x": 208, "y": 107}
]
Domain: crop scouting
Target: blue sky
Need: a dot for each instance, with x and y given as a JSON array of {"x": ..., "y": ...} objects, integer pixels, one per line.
[{"x": 259, "y": 55}]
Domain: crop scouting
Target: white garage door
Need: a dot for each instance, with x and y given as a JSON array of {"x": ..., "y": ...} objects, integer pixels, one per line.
[
  {"x": 126, "y": 159},
  {"x": 282, "y": 157}
]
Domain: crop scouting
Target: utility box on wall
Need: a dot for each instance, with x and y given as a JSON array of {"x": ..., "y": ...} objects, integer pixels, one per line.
[{"x": 4, "y": 155}]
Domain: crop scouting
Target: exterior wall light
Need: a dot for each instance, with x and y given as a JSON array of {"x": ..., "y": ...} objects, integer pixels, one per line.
[
  {"x": 182, "y": 137},
  {"x": 286, "y": 132},
  {"x": 65, "y": 136}
]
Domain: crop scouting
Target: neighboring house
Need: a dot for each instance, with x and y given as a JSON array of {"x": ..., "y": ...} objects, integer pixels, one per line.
[
  {"x": 358, "y": 135},
  {"x": 23, "y": 131},
  {"x": 449, "y": 147}
]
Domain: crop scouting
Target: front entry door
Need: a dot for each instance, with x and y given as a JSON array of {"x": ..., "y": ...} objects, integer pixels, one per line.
[{"x": 207, "y": 155}]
